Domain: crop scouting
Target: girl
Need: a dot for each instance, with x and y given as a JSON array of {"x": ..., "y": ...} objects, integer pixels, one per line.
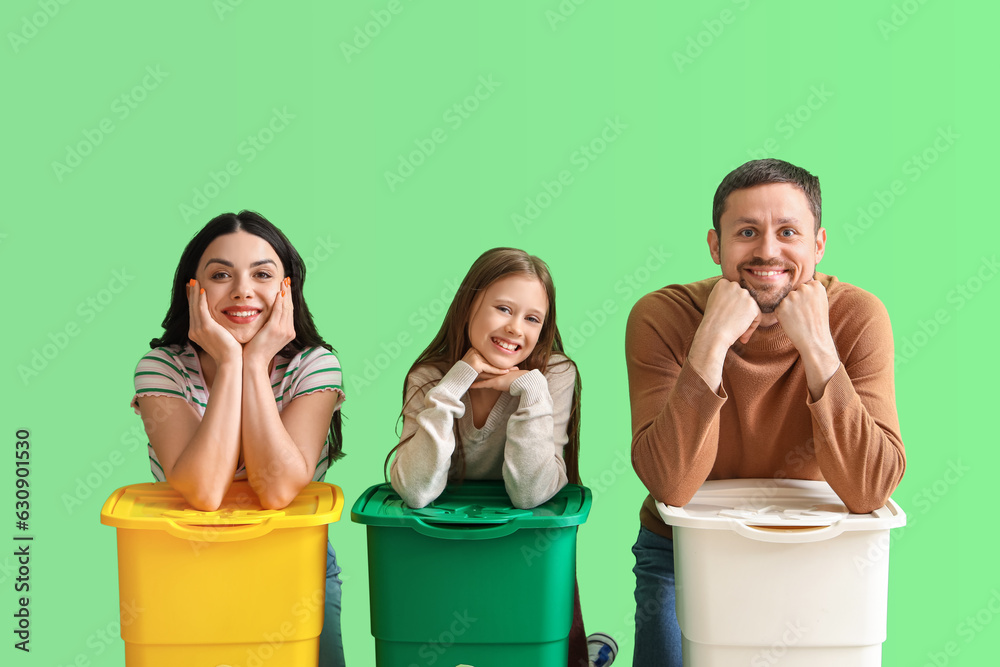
[
  {"x": 494, "y": 396},
  {"x": 240, "y": 385}
]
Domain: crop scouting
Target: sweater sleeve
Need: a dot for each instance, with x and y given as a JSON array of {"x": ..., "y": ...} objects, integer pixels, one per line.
[
  {"x": 533, "y": 465},
  {"x": 855, "y": 425},
  {"x": 675, "y": 414},
  {"x": 419, "y": 473}
]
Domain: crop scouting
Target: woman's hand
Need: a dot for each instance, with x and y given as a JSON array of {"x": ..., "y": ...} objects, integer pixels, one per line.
[
  {"x": 211, "y": 336},
  {"x": 277, "y": 332},
  {"x": 498, "y": 382}
]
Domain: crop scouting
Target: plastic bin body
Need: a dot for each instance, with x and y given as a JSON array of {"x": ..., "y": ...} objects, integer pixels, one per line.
[
  {"x": 777, "y": 572},
  {"x": 470, "y": 579},
  {"x": 240, "y": 586}
]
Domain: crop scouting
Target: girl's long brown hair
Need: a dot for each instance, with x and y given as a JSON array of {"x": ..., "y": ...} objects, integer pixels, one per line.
[{"x": 452, "y": 342}]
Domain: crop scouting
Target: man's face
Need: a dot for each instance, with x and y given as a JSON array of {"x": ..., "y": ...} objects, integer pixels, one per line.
[{"x": 767, "y": 243}]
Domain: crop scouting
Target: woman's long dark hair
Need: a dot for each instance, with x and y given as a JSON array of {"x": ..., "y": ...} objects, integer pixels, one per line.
[
  {"x": 452, "y": 341},
  {"x": 177, "y": 322}
]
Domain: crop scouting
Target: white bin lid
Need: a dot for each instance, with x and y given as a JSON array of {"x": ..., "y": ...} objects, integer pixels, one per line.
[{"x": 769, "y": 510}]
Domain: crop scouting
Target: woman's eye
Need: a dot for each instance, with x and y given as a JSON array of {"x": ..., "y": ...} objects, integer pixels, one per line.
[
  {"x": 264, "y": 275},
  {"x": 219, "y": 275}
]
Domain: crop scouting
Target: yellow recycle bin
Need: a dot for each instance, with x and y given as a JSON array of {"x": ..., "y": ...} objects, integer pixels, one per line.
[{"x": 241, "y": 586}]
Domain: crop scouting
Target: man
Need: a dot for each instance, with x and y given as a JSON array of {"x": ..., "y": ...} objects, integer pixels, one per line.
[{"x": 771, "y": 370}]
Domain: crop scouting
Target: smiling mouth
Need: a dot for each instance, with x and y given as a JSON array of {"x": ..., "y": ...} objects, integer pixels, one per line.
[
  {"x": 241, "y": 315},
  {"x": 765, "y": 274},
  {"x": 505, "y": 345}
]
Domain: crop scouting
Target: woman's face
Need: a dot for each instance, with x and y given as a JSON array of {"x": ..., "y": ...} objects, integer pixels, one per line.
[
  {"x": 507, "y": 319},
  {"x": 241, "y": 274}
]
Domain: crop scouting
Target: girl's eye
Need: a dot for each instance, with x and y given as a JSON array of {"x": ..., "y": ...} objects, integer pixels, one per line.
[
  {"x": 536, "y": 320},
  {"x": 504, "y": 309}
]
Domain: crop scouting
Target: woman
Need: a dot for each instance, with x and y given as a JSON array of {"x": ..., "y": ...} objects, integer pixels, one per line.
[{"x": 252, "y": 390}]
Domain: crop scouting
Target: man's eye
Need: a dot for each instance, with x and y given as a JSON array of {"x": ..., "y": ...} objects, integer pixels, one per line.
[
  {"x": 746, "y": 233},
  {"x": 788, "y": 233}
]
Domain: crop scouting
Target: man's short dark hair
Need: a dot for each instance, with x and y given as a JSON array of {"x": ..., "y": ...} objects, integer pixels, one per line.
[{"x": 761, "y": 172}]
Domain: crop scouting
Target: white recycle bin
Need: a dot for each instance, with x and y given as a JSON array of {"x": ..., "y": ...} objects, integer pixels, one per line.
[{"x": 778, "y": 572}]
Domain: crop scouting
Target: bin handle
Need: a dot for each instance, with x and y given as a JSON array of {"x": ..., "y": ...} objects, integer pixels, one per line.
[
  {"x": 249, "y": 528},
  {"x": 446, "y": 533},
  {"x": 795, "y": 536}
]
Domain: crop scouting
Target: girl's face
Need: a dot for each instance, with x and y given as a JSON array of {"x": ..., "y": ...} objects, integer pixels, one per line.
[
  {"x": 241, "y": 275},
  {"x": 507, "y": 319}
]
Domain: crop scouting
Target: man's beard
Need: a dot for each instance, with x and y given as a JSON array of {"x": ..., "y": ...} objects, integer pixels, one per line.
[{"x": 767, "y": 299}]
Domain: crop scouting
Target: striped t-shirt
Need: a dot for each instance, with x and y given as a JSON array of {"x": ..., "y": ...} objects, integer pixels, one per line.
[{"x": 173, "y": 371}]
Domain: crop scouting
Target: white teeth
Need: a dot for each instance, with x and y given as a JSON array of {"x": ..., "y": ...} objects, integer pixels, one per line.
[
  {"x": 243, "y": 313},
  {"x": 505, "y": 345},
  {"x": 766, "y": 273}
]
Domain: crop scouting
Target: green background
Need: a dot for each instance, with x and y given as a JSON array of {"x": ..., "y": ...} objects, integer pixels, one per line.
[{"x": 856, "y": 92}]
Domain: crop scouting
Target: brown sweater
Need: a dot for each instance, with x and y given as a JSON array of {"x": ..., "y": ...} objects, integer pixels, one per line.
[{"x": 762, "y": 422}]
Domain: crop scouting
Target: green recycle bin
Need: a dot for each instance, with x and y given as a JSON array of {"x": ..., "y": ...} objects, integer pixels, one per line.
[{"x": 470, "y": 579}]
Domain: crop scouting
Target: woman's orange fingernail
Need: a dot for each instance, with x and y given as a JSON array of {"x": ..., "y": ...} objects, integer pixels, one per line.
[
  {"x": 191, "y": 282},
  {"x": 202, "y": 290}
]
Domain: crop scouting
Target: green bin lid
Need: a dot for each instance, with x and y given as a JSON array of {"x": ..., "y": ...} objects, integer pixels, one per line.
[{"x": 471, "y": 505}]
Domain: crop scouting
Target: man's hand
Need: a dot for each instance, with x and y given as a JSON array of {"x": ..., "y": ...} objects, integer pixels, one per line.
[
  {"x": 731, "y": 314},
  {"x": 804, "y": 316}
]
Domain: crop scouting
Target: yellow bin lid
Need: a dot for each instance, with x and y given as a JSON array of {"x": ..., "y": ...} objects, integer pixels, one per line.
[{"x": 157, "y": 506}]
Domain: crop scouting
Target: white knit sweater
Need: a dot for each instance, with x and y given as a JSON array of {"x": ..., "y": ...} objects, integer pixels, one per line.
[{"x": 521, "y": 442}]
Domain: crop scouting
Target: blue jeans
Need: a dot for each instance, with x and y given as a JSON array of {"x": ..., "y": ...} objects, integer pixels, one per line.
[
  {"x": 657, "y": 635},
  {"x": 331, "y": 646}
]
